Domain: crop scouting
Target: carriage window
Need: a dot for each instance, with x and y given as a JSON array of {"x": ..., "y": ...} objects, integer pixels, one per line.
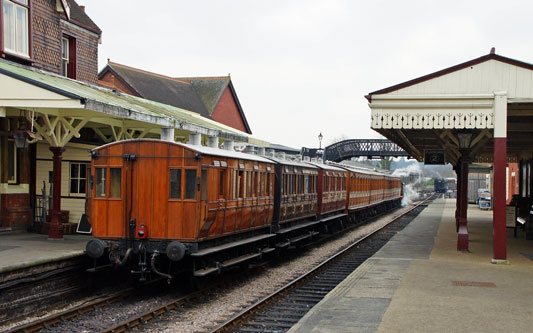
[
  {"x": 203, "y": 192},
  {"x": 251, "y": 189},
  {"x": 255, "y": 187},
  {"x": 175, "y": 184},
  {"x": 234, "y": 185},
  {"x": 239, "y": 184},
  {"x": 115, "y": 182},
  {"x": 190, "y": 184},
  {"x": 262, "y": 180},
  {"x": 268, "y": 188},
  {"x": 221, "y": 184},
  {"x": 244, "y": 184},
  {"x": 100, "y": 182}
]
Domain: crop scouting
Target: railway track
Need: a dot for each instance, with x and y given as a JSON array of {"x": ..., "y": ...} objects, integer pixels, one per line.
[
  {"x": 101, "y": 304},
  {"x": 282, "y": 309}
]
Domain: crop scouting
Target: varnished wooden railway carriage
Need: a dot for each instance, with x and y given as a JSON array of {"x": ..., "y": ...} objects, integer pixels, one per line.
[{"x": 208, "y": 209}]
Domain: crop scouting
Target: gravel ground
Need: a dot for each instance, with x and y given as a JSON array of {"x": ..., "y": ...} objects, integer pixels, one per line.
[{"x": 223, "y": 304}]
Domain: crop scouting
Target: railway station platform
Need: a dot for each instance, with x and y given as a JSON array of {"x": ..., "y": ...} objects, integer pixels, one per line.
[
  {"x": 419, "y": 282},
  {"x": 23, "y": 253}
]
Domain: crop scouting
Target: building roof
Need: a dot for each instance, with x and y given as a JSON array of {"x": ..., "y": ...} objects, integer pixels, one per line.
[
  {"x": 211, "y": 89},
  {"x": 99, "y": 99},
  {"x": 491, "y": 56},
  {"x": 79, "y": 17},
  {"x": 157, "y": 87}
]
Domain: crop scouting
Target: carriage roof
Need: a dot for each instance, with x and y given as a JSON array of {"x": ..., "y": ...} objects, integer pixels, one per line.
[{"x": 200, "y": 149}]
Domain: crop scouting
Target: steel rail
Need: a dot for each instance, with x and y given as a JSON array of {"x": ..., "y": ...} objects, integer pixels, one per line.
[
  {"x": 239, "y": 317},
  {"x": 48, "y": 321},
  {"x": 150, "y": 315}
]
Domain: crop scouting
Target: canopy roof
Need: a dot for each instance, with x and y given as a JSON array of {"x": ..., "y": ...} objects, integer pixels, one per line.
[
  {"x": 32, "y": 89},
  {"x": 429, "y": 112}
]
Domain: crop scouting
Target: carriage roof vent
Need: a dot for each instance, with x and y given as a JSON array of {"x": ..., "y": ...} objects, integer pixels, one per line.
[
  {"x": 270, "y": 153},
  {"x": 261, "y": 151},
  {"x": 195, "y": 139},
  {"x": 249, "y": 150},
  {"x": 307, "y": 159},
  {"x": 167, "y": 134},
  {"x": 229, "y": 145},
  {"x": 212, "y": 142}
]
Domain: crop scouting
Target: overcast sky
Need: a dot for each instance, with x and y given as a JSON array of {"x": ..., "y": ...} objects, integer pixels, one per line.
[{"x": 303, "y": 67}]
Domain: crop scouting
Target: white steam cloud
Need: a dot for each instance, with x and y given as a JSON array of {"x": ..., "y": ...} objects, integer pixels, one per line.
[{"x": 412, "y": 177}]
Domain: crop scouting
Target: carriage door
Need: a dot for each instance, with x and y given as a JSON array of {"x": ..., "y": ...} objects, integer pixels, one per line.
[
  {"x": 208, "y": 205},
  {"x": 203, "y": 195}
]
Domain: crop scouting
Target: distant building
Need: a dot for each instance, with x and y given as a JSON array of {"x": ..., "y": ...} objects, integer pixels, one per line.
[{"x": 212, "y": 97}]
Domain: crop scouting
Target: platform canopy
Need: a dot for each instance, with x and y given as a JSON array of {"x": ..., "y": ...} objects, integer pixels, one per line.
[
  {"x": 432, "y": 112},
  {"x": 61, "y": 107},
  {"x": 480, "y": 110}
]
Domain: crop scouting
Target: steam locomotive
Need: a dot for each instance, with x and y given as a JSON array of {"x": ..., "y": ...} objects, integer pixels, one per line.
[{"x": 160, "y": 207}]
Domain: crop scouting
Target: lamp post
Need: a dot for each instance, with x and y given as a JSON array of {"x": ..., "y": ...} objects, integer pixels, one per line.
[{"x": 319, "y": 151}]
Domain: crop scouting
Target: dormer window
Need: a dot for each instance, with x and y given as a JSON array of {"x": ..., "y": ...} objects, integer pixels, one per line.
[{"x": 15, "y": 17}]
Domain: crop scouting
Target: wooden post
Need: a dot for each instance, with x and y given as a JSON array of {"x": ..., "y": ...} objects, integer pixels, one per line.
[
  {"x": 56, "y": 230},
  {"x": 500, "y": 162}
]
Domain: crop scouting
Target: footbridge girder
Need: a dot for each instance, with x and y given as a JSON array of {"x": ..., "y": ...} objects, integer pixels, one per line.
[{"x": 362, "y": 147}]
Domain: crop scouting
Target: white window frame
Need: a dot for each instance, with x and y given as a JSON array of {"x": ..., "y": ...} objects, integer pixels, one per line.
[
  {"x": 78, "y": 178},
  {"x": 23, "y": 4},
  {"x": 65, "y": 56}
]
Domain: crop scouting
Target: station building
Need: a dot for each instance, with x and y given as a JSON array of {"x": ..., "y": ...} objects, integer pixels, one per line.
[
  {"x": 52, "y": 112},
  {"x": 477, "y": 111}
]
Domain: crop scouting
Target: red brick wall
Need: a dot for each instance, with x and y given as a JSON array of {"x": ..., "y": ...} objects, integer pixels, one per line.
[
  {"x": 109, "y": 80},
  {"x": 16, "y": 211},
  {"x": 227, "y": 113},
  {"x": 46, "y": 42}
]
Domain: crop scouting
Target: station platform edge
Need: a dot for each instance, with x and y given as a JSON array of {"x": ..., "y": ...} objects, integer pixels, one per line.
[{"x": 419, "y": 282}]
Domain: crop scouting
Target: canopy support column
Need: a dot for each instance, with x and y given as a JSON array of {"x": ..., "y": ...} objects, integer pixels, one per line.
[
  {"x": 56, "y": 230},
  {"x": 500, "y": 163},
  {"x": 462, "y": 237},
  {"x": 457, "y": 170}
]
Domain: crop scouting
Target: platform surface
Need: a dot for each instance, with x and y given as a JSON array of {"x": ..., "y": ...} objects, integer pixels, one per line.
[
  {"x": 419, "y": 282},
  {"x": 22, "y": 249}
]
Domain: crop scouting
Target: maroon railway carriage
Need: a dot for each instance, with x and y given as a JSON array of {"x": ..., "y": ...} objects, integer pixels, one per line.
[
  {"x": 332, "y": 188},
  {"x": 370, "y": 191},
  {"x": 295, "y": 201},
  {"x": 153, "y": 197}
]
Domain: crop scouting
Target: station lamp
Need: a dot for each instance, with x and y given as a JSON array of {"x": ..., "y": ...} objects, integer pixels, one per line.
[{"x": 464, "y": 139}]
